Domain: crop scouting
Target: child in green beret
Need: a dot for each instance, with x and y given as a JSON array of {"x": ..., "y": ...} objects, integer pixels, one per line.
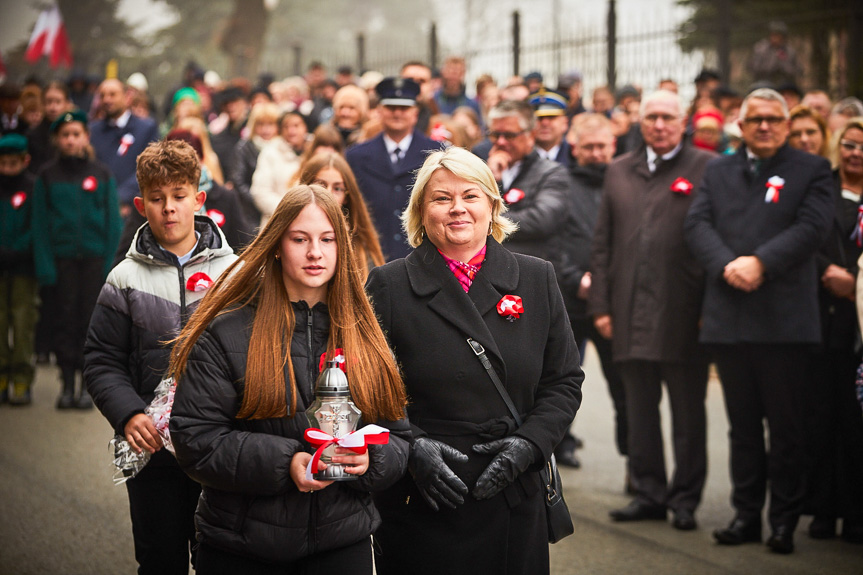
[
  {"x": 18, "y": 300},
  {"x": 76, "y": 226}
]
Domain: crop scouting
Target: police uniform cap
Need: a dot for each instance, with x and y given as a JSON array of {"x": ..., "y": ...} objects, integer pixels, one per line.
[
  {"x": 394, "y": 91},
  {"x": 547, "y": 103}
]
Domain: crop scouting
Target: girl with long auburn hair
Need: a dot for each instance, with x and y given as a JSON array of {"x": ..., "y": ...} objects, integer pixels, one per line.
[
  {"x": 331, "y": 170},
  {"x": 246, "y": 365}
]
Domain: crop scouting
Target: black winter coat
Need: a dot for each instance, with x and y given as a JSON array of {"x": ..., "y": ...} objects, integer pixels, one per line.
[
  {"x": 730, "y": 217},
  {"x": 250, "y": 506},
  {"x": 427, "y": 317}
]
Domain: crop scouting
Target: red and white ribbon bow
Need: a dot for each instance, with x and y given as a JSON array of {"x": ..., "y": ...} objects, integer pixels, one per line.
[
  {"x": 199, "y": 282},
  {"x": 513, "y": 196},
  {"x": 774, "y": 184},
  {"x": 125, "y": 142},
  {"x": 682, "y": 186},
  {"x": 357, "y": 441},
  {"x": 510, "y": 307},
  {"x": 18, "y": 199},
  {"x": 217, "y": 217},
  {"x": 89, "y": 184}
]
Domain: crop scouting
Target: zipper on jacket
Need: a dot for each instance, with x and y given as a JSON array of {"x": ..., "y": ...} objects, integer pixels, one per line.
[
  {"x": 182, "y": 276},
  {"x": 311, "y": 353}
]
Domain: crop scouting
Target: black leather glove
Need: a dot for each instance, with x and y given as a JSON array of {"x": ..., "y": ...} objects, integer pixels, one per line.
[
  {"x": 514, "y": 455},
  {"x": 436, "y": 481}
]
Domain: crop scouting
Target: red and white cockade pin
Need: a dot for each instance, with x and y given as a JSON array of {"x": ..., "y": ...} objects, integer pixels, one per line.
[
  {"x": 125, "y": 143},
  {"x": 217, "y": 217},
  {"x": 90, "y": 184},
  {"x": 774, "y": 184},
  {"x": 18, "y": 199},
  {"x": 682, "y": 186},
  {"x": 338, "y": 357},
  {"x": 199, "y": 282},
  {"x": 510, "y": 307},
  {"x": 514, "y": 195}
]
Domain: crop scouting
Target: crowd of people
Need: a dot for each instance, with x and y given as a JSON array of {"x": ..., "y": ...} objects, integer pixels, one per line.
[{"x": 386, "y": 220}]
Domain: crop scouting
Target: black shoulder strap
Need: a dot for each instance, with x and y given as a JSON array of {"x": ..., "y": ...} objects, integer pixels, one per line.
[{"x": 479, "y": 351}]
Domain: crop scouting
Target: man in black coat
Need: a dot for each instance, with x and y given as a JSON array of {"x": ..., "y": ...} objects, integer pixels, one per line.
[
  {"x": 646, "y": 297},
  {"x": 756, "y": 226},
  {"x": 533, "y": 188},
  {"x": 592, "y": 143},
  {"x": 385, "y": 165}
]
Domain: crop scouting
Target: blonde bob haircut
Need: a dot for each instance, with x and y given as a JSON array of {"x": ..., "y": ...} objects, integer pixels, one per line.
[{"x": 467, "y": 166}]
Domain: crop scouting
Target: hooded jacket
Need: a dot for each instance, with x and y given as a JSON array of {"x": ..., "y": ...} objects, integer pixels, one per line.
[{"x": 143, "y": 305}]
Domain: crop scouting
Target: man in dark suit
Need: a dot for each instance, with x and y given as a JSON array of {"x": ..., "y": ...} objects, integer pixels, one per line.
[
  {"x": 534, "y": 188},
  {"x": 385, "y": 165},
  {"x": 592, "y": 143},
  {"x": 646, "y": 297},
  {"x": 756, "y": 226},
  {"x": 119, "y": 138},
  {"x": 551, "y": 126}
]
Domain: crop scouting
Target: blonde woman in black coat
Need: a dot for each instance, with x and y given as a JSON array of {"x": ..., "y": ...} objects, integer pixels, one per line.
[{"x": 473, "y": 473}]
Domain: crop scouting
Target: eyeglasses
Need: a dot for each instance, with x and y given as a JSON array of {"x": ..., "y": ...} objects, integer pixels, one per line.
[
  {"x": 336, "y": 188},
  {"x": 772, "y": 121},
  {"x": 508, "y": 136},
  {"x": 850, "y": 146},
  {"x": 651, "y": 119}
]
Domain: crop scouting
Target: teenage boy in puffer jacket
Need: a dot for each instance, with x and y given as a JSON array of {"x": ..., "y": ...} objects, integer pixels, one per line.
[{"x": 172, "y": 261}]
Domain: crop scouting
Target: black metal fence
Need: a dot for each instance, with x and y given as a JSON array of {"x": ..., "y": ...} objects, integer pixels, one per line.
[{"x": 642, "y": 54}]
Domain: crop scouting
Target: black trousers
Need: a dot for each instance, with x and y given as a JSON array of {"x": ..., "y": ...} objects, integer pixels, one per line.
[
  {"x": 354, "y": 559},
  {"x": 79, "y": 282},
  {"x": 583, "y": 329},
  {"x": 766, "y": 381},
  {"x": 686, "y": 383},
  {"x": 162, "y": 501},
  {"x": 835, "y": 434}
]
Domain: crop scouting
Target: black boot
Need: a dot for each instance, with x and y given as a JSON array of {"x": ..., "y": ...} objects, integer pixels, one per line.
[
  {"x": 84, "y": 400},
  {"x": 66, "y": 400}
]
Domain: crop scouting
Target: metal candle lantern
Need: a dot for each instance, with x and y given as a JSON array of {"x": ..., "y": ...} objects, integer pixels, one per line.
[{"x": 333, "y": 412}]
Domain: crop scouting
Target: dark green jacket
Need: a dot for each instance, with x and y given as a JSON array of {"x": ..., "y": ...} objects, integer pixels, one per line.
[
  {"x": 16, "y": 199},
  {"x": 75, "y": 215}
]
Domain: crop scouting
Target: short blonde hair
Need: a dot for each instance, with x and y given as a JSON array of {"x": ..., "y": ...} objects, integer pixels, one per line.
[
  {"x": 465, "y": 165},
  {"x": 355, "y": 95},
  {"x": 263, "y": 112}
]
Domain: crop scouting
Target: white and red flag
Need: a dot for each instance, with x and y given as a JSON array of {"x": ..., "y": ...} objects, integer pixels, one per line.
[{"x": 49, "y": 39}]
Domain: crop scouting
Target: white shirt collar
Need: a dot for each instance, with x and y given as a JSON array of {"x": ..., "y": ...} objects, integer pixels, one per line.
[
  {"x": 508, "y": 176},
  {"x": 123, "y": 120},
  {"x": 651, "y": 155},
  {"x": 550, "y": 154},
  {"x": 403, "y": 145}
]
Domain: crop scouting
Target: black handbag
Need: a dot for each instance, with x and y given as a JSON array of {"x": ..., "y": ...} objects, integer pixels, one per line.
[{"x": 557, "y": 515}]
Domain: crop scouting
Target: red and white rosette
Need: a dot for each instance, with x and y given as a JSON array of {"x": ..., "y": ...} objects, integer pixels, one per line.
[
  {"x": 199, "y": 282},
  {"x": 89, "y": 184},
  {"x": 357, "y": 441},
  {"x": 338, "y": 357},
  {"x": 510, "y": 307},
  {"x": 774, "y": 184},
  {"x": 217, "y": 217},
  {"x": 682, "y": 186},
  {"x": 17, "y": 200},
  {"x": 513, "y": 196},
  {"x": 125, "y": 143}
]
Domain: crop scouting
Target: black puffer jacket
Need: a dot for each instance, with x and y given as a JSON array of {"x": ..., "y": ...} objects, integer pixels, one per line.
[{"x": 250, "y": 506}]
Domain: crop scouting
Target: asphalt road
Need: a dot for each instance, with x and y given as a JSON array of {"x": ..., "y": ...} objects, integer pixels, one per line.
[{"x": 60, "y": 512}]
